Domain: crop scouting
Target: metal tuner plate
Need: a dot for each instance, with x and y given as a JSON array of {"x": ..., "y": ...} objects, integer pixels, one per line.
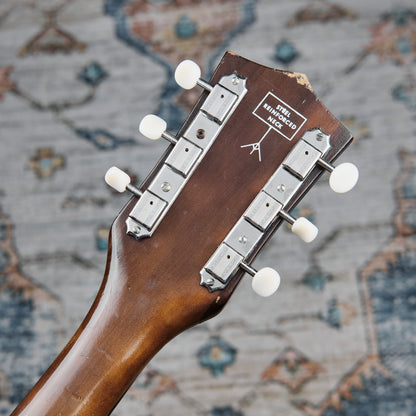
[{"x": 188, "y": 152}]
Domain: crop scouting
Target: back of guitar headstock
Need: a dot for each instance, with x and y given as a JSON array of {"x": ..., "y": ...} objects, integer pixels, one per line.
[{"x": 253, "y": 145}]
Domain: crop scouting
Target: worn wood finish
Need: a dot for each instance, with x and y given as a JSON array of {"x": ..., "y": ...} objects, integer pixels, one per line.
[{"x": 151, "y": 292}]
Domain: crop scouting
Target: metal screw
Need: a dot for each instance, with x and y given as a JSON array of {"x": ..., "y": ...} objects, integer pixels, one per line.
[
  {"x": 209, "y": 281},
  {"x": 235, "y": 81},
  {"x": 242, "y": 239},
  {"x": 319, "y": 137},
  {"x": 281, "y": 188},
  {"x": 137, "y": 229},
  {"x": 166, "y": 187},
  {"x": 200, "y": 134}
]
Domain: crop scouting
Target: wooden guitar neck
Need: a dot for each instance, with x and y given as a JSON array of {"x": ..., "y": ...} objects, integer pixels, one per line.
[
  {"x": 125, "y": 327},
  {"x": 254, "y": 144}
]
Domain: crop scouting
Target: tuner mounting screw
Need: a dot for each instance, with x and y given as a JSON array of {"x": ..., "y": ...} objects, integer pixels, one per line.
[
  {"x": 200, "y": 134},
  {"x": 137, "y": 229},
  {"x": 235, "y": 81},
  {"x": 319, "y": 137},
  {"x": 281, "y": 188},
  {"x": 242, "y": 239},
  {"x": 209, "y": 281},
  {"x": 166, "y": 187}
]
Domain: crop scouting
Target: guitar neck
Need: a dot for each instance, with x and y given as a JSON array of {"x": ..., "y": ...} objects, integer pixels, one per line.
[
  {"x": 123, "y": 330},
  {"x": 94, "y": 371},
  {"x": 180, "y": 246}
]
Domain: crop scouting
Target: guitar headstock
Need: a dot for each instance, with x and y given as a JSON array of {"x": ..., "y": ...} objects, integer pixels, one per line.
[{"x": 254, "y": 144}]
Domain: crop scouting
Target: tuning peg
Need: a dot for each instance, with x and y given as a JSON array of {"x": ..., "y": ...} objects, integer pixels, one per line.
[
  {"x": 343, "y": 177},
  {"x": 120, "y": 181},
  {"x": 302, "y": 227},
  {"x": 188, "y": 75},
  {"x": 154, "y": 127},
  {"x": 265, "y": 281}
]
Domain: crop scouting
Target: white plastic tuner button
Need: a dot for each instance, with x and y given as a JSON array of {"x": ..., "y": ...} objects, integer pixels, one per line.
[
  {"x": 304, "y": 229},
  {"x": 117, "y": 179},
  {"x": 266, "y": 281},
  {"x": 152, "y": 127},
  {"x": 343, "y": 178},
  {"x": 187, "y": 74}
]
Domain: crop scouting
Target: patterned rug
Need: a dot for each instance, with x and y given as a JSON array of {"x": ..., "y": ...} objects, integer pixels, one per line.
[{"x": 76, "y": 77}]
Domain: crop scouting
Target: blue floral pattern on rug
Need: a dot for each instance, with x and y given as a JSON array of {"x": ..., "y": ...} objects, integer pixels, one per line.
[
  {"x": 393, "y": 294},
  {"x": 216, "y": 355}
]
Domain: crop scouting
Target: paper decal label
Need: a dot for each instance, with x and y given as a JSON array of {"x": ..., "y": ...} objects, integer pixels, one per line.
[{"x": 280, "y": 116}]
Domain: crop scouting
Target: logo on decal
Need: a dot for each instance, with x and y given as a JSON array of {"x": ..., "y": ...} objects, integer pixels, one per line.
[{"x": 278, "y": 116}]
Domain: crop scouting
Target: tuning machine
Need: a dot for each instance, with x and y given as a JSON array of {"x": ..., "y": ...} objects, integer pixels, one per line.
[
  {"x": 301, "y": 227},
  {"x": 265, "y": 282},
  {"x": 188, "y": 75},
  {"x": 120, "y": 181},
  {"x": 310, "y": 151},
  {"x": 154, "y": 127},
  {"x": 343, "y": 177}
]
